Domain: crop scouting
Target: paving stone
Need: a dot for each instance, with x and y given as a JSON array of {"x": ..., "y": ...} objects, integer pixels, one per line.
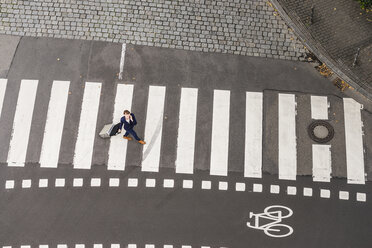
[{"x": 225, "y": 26}]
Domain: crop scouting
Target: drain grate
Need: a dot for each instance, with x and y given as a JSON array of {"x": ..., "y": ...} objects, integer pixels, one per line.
[{"x": 320, "y": 131}]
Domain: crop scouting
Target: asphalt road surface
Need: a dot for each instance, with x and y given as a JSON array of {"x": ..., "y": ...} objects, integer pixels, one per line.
[{"x": 137, "y": 203}]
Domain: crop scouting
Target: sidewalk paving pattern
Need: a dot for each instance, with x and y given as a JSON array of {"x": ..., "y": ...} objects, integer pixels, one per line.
[
  {"x": 237, "y": 27},
  {"x": 338, "y": 29}
]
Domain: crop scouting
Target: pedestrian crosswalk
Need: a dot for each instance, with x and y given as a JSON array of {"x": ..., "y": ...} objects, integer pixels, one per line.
[{"x": 287, "y": 148}]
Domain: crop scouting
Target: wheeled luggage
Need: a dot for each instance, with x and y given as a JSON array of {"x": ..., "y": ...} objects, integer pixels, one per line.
[{"x": 109, "y": 130}]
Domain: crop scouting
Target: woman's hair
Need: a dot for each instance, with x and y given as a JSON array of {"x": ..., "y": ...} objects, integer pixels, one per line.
[{"x": 126, "y": 112}]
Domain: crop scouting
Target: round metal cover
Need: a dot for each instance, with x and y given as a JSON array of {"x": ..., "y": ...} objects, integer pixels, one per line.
[{"x": 320, "y": 131}]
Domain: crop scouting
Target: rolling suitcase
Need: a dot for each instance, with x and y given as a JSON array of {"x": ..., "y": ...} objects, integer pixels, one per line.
[{"x": 109, "y": 130}]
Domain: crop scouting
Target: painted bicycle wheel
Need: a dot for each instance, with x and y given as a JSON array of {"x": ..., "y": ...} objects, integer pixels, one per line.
[
  {"x": 278, "y": 231},
  {"x": 278, "y": 211}
]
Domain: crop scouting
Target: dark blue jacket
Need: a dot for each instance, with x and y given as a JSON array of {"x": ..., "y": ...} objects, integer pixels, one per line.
[{"x": 127, "y": 125}]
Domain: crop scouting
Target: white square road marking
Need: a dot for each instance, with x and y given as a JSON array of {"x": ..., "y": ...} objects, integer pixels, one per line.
[
  {"x": 308, "y": 192},
  {"x": 168, "y": 183},
  {"x": 60, "y": 182},
  {"x": 291, "y": 190},
  {"x": 7, "y": 247},
  {"x": 187, "y": 184},
  {"x": 95, "y": 182},
  {"x": 25, "y": 246},
  {"x": 97, "y": 246},
  {"x": 79, "y": 246},
  {"x": 132, "y": 246},
  {"x": 114, "y": 182},
  {"x": 9, "y": 184},
  {"x": 168, "y": 246},
  {"x": 43, "y": 183},
  {"x": 205, "y": 247},
  {"x": 78, "y": 182},
  {"x": 222, "y": 185},
  {"x": 240, "y": 186},
  {"x": 206, "y": 185},
  {"x": 132, "y": 182},
  {"x": 361, "y": 197},
  {"x": 186, "y": 246},
  {"x": 150, "y": 182},
  {"x": 325, "y": 193},
  {"x": 61, "y": 246},
  {"x": 149, "y": 246},
  {"x": 343, "y": 195},
  {"x": 274, "y": 189},
  {"x": 257, "y": 187},
  {"x": 115, "y": 245},
  {"x": 43, "y": 246},
  {"x": 26, "y": 183}
]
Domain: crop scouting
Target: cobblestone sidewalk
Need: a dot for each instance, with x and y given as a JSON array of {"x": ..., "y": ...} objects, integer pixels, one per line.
[
  {"x": 227, "y": 26},
  {"x": 339, "y": 33}
]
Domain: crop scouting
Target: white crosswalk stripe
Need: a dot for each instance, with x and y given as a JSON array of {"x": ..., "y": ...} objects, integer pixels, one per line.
[
  {"x": 186, "y": 131},
  {"x": 3, "y": 83},
  {"x": 154, "y": 129},
  {"x": 22, "y": 123},
  {"x": 54, "y": 124},
  {"x": 185, "y": 138},
  {"x": 118, "y": 145},
  {"x": 321, "y": 163},
  {"x": 321, "y": 153},
  {"x": 253, "y": 135},
  {"x": 287, "y": 137},
  {"x": 354, "y": 141},
  {"x": 319, "y": 107},
  {"x": 87, "y": 126},
  {"x": 220, "y": 133}
]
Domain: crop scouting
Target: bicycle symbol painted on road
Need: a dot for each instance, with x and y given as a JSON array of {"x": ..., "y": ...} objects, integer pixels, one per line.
[{"x": 274, "y": 215}]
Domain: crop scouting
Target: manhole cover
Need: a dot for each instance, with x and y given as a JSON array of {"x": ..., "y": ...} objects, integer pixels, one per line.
[{"x": 320, "y": 131}]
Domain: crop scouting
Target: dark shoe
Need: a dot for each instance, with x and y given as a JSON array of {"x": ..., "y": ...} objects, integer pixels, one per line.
[
  {"x": 126, "y": 137},
  {"x": 142, "y": 142}
]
